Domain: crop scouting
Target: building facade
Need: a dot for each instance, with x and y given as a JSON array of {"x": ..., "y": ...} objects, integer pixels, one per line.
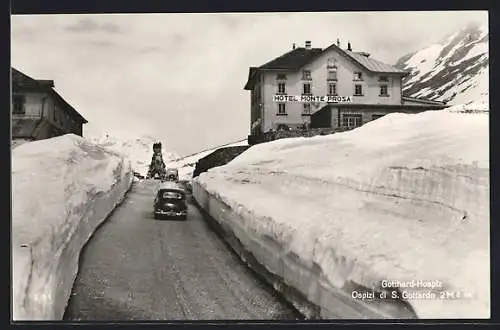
[
  {"x": 370, "y": 89},
  {"x": 39, "y": 112}
]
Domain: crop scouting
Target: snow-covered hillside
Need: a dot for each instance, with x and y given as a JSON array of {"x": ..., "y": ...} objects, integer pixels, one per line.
[
  {"x": 187, "y": 164},
  {"x": 402, "y": 198},
  {"x": 454, "y": 69},
  {"x": 139, "y": 150}
]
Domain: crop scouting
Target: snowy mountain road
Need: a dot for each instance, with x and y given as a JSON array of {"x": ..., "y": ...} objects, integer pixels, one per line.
[{"x": 138, "y": 268}]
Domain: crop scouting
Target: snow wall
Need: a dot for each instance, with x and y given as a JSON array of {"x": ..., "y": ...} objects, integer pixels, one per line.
[
  {"x": 403, "y": 198},
  {"x": 62, "y": 189},
  {"x": 302, "y": 285}
]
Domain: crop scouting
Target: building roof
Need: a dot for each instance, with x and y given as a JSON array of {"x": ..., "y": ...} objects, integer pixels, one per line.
[
  {"x": 373, "y": 65},
  {"x": 291, "y": 61},
  {"x": 297, "y": 58},
  {"x": 21, "y": 80},
  {"x": 294, "y": 59}
]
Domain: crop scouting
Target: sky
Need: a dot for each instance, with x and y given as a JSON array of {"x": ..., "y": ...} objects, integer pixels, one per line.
[{"x": 180, "y": 77}]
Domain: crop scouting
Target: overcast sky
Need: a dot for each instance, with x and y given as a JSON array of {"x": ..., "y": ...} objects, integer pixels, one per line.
[{"x": 180, "y": 77}]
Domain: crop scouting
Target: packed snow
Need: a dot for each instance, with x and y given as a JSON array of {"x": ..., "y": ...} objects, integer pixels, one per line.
[
  {"x": 404, "y": 197},
  {"x": 62, "y": 189},
  {"x": 18, "y": 142},
  {"x": 470, "y": 107}
]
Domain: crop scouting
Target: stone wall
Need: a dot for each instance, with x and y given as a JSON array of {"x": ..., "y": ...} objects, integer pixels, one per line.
[
  {"x": 219, "y": 157},
  {"x": 276, "y": 135}
]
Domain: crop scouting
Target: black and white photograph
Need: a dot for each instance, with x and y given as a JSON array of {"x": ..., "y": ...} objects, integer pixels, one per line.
[{"x": 274, "y": 166}]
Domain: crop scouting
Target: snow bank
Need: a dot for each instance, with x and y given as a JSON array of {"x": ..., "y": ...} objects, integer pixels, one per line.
[
  {"x": 62, "y": 189},
  {"x": 186, "y": 172},
  {"x": 403, "y": 198},
  {"x": 17, "y": 142},
  {"x": 471, "y": 107}
]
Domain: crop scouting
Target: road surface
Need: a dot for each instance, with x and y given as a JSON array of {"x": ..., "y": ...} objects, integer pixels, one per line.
[{"x": 138, "y": 268}]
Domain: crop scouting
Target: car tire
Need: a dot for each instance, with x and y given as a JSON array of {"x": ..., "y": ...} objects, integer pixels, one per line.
[{"x": 184, "y": 217}]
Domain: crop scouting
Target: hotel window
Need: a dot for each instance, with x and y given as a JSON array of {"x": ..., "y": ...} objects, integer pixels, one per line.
[
  {"x": 306, "y": 89},
  {"x": 281, "y": 88},
  {"x": 281, "y": 109},
  {"x": 332, "y": 74},
  {"x": 383, "y": 78},
  {"x": 332, "y": 89},
  {"x": 376, "y": 116},
  {"x": 307, "y": 109},
  {"x": 281, "y": 76},
  {"x": 18, "y": 105},
  {"x": 358, "y": 76},
  {"x": 306, "y": 75},
  {"x": 383, "y": 90},
  {"x": 358, "y": 90},
  {"x": 332, "y": 63},
  {"x": 351, "y": 120}
]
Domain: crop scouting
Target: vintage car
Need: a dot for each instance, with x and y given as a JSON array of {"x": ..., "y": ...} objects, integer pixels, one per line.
[
  {"x": 172, "y": 174},
  {"x": 170, "y": 201}
]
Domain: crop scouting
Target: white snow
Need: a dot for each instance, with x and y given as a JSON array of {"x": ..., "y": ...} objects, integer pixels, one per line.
[
  {"x": 186, "y": 172},
  {"x": 138, "y": 150},
  {"x": 423, "y": 61},
  {"x": 17, "y": 142},
  {"x": 478, "y": 92},
  {"x": 62, "y": 189},
  {"x": 470, "y": 107},
  {"x": 479, "y": 48},
  {"x": 405, "y": 197}
]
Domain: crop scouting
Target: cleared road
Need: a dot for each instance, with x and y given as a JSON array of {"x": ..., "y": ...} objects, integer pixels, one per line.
[{"x": 138, "y": 268}]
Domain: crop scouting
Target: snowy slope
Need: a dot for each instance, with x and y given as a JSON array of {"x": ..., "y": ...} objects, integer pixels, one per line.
[
  {"x": 405, "y": 197},
  {"x": 139, "y": 150},
  {"x": 454, "y": 70},
  {"x": 187, "y": 164},
  {"x": 18, "y": 142},
  {"x": 62, "y": 189}
]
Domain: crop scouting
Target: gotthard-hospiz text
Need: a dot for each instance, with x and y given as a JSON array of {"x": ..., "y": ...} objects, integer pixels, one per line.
[
  {"x": 311, "y": 98},
  {"x": 432, "y": 284}
]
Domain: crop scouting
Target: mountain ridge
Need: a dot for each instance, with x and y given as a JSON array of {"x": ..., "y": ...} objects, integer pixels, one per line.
[{"x": 454, "y": 69}]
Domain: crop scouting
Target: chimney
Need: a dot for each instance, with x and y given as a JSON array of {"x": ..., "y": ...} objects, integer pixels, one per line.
[
  {"x": 349, "y": 46},
  {"x": 293, "y": 45},
  {"x": 338, "y": 42},
  {"x": 308, "y": 44}
]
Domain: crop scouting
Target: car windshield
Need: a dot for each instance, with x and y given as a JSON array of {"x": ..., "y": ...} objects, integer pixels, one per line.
[{"x": 172, "y": 195}]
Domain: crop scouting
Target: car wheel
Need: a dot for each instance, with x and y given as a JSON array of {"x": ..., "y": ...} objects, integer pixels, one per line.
[{"x": 184, "y": 217}]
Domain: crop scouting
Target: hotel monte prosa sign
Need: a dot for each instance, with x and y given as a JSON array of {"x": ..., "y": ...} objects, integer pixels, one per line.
[{"x": 283, "y": 98}]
